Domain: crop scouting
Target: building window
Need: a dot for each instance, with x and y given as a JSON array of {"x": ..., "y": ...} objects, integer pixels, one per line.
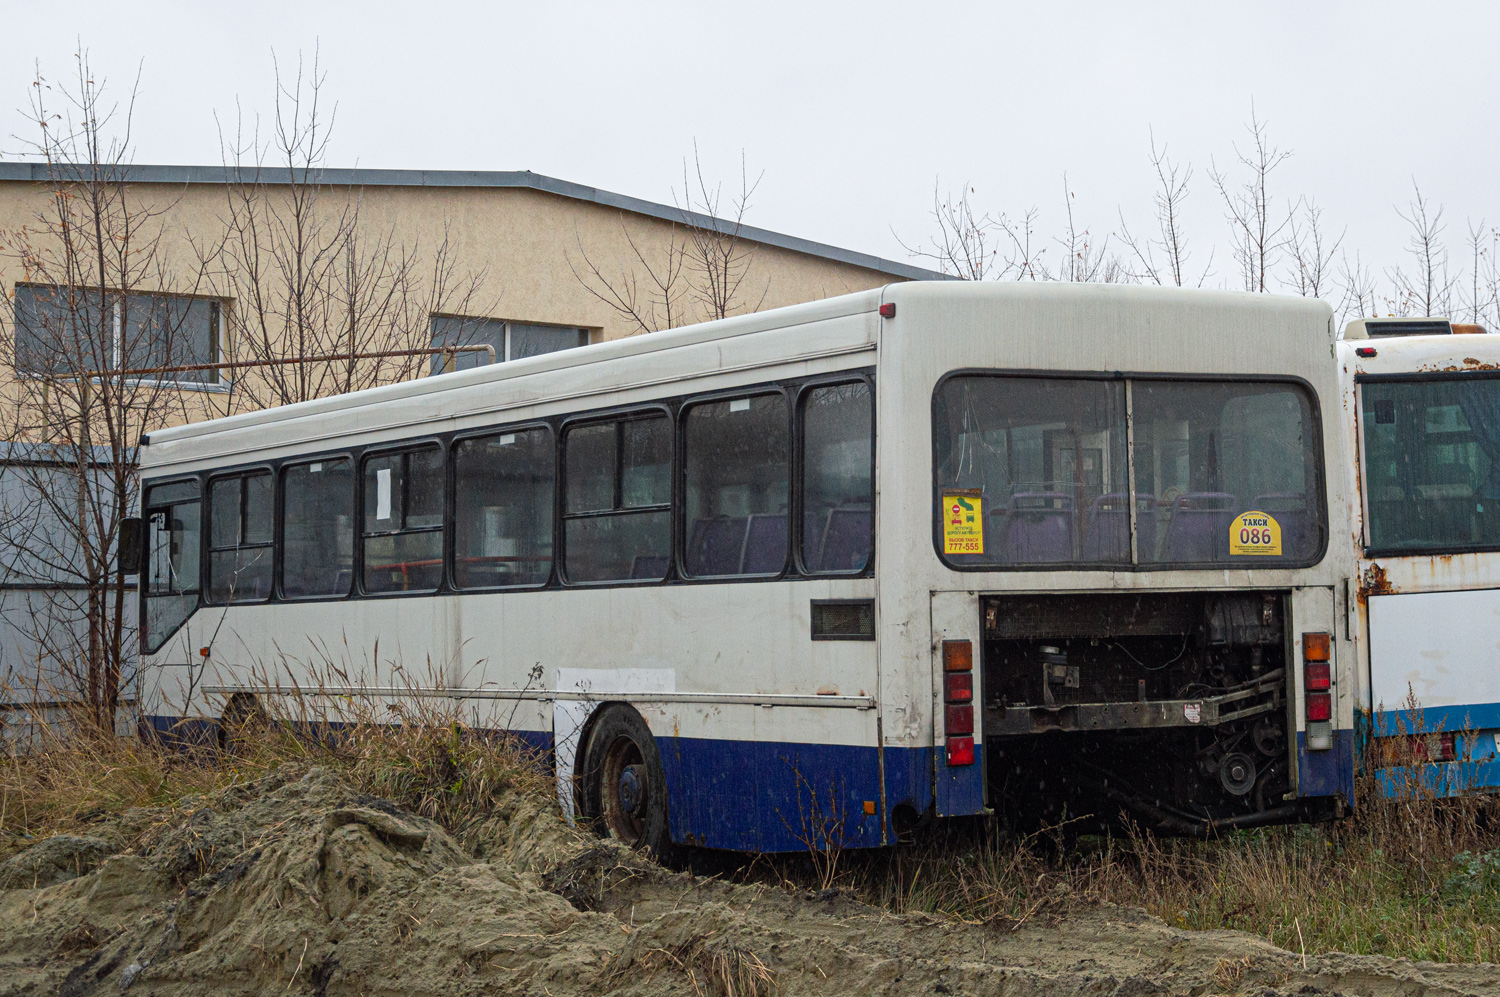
[
  {"x": 511, "y": 340},
  {"x": 403, "y": 523},
  {"x": 317, "y": 528},
  {"x": 70, "y": 330},
  {"x": 502, "y": 519},
  {"x": 737, "y": 471},
  {"x": 617, "y": 511},
  {"x": 239, "y": 538}
]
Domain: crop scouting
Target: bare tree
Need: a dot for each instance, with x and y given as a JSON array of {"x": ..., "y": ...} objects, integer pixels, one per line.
[
  {"x": 1359, "y": 297},
  {"x": 1083, "y": 260},
  {"x": 1312, "y": 251},
  {"x": 718, "y": 258},
  {"x": 964, "y": 243},
  {"x": 310, "y": 276},
  {"x": 699, "y": 274},
  {"x": 1428, "y": 288},
  {"x": 1026, "y": 258},
  {"x": 649, "y": 303},
  {"x": 1482, "y": 290},
  {"x": 1171, "y": 240},
  {"x": 1257, "y": 229},
  {"x": 100, "y": 295},
  {"x": 974, "y": 246}
]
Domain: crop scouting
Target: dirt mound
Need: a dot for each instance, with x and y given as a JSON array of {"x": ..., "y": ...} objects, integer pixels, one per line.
[
  {"x": 55, "y": 860},
  {"x": 299, "y": 884}
]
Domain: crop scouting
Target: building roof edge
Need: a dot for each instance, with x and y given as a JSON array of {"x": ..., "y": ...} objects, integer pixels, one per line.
[{"x": 26, "y": 172}]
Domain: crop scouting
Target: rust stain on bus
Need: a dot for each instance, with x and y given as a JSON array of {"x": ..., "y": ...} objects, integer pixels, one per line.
[
  {"x": 1374, "y": 582},
  {"x": 1469, "y": 363}
]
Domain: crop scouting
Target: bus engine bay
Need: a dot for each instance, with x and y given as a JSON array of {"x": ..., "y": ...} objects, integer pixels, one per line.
[{"x": 1169, "y": 708}]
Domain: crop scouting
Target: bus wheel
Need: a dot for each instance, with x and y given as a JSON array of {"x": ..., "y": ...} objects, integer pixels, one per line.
[
  {"x": 624, "y": 788},
  {"x": 242, "y": 723}
]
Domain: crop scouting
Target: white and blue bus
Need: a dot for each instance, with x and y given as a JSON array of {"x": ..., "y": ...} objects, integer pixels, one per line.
[
  {"x": 814, "y": 575},
  {"x": 1422, "y": 398}
]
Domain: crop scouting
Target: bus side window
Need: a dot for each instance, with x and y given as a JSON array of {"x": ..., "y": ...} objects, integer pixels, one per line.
[
  {"x": 171, "y": 583},
  {"x": 502, "y": 521},
  {"x": 239, "y": 529},
  {"x": 403, "y": 521},
  {"x": 736, "y": 465},
  {"x": 838, "y": 528},
  {"x": 617, "y": 518},
  {"x": 317, "y": 528}
]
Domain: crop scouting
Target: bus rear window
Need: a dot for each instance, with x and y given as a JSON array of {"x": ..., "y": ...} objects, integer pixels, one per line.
[
  {"x": 1034, "y": 471},
  {"x": 1431, "y": 464}
]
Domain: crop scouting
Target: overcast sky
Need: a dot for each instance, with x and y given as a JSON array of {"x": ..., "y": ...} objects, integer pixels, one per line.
[{"x": 852, "y": 111}]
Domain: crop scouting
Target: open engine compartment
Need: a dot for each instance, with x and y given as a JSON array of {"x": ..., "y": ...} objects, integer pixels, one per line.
[{"x": 1169, "y": 706}]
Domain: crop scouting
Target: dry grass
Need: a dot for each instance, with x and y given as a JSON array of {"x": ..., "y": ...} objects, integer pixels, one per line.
[
  {"x": 423, "y": 758},
  {"x": 1415, "y": 876}
]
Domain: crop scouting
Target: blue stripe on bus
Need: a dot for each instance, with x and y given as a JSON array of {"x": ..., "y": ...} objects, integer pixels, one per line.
[
  {"x": 179, "y": 732},
  {"x": 1326, "y": 772},
  {"x": 1477, "y": 768},
  {"x": 1435, "y": 719},
  {"x": 777, "y": 796}
]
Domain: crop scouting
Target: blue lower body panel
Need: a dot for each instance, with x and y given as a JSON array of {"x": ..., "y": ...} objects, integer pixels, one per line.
[
  {"x": 773, "y": 796},
  {"x": 1437, "y": 719},
  {"x": 193, "y": 732},
  {"x": 1327, "y": 772}
]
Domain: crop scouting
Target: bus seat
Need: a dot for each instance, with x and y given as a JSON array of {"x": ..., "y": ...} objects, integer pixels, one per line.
[
  {"x": 651, "y": 566},
  {"x": 1039, "y": 528},
  {"x": 1108, "y": 526},
  {"x": 717, "y": 545},
  {"x": 846, "y": 541},
  {"x": 1199, "y": 527},
  {"x": 765, "y": 544},
  {"x": 1290, "y": 511},
  {"x": 813, "y": 528}
]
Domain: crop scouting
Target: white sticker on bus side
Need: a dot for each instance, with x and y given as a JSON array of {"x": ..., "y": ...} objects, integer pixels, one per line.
[
  {"x": 578, "y": 692},
  {"x": 382, "y": 493}
]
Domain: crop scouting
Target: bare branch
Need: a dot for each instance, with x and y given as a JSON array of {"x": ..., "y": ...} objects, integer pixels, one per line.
[{"x": 1256, "y": 230}]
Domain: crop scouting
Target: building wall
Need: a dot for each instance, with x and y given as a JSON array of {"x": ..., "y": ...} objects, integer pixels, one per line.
[{"x": 526, "y": 243}]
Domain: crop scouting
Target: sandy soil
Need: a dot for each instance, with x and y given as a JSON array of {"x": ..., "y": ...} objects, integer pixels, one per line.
[{"x": 297, "y": 884}]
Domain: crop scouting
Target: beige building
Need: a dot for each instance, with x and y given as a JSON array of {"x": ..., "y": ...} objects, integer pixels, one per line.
[{"x": 230, "y": 267}]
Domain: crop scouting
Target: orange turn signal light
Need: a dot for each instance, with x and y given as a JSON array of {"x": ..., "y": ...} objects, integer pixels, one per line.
[
  {"x": 1315, "y": 647},
  {"x": 958, "y": 656}
]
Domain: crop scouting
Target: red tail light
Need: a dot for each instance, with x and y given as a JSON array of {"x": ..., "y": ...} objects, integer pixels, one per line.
[
  {"x": 1318, "y": 676},
  {"x": 1317, "y": 683},
  {"x": 958, "y": 719},
  {"x": 960, "y": 751},
  {"x": 958, "y": 693}
]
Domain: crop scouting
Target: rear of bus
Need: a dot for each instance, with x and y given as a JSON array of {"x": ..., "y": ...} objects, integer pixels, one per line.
[
  {"x": 1423, "y": 397},
  {"x": 1107, "y": 567}
]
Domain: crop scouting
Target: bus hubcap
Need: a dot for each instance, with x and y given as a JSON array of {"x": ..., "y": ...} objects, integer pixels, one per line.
[{"x": 632, "y": 790}]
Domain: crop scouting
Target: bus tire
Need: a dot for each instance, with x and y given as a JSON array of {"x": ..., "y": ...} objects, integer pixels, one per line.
[
  {"x": 242, "y": 723},
  {"x": 624, "y": 786}
]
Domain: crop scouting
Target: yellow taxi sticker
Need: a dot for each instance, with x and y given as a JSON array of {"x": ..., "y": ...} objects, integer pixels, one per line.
[
  {"x": 963, "y": 522},
  {"x": 1254, "y": 533}
]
